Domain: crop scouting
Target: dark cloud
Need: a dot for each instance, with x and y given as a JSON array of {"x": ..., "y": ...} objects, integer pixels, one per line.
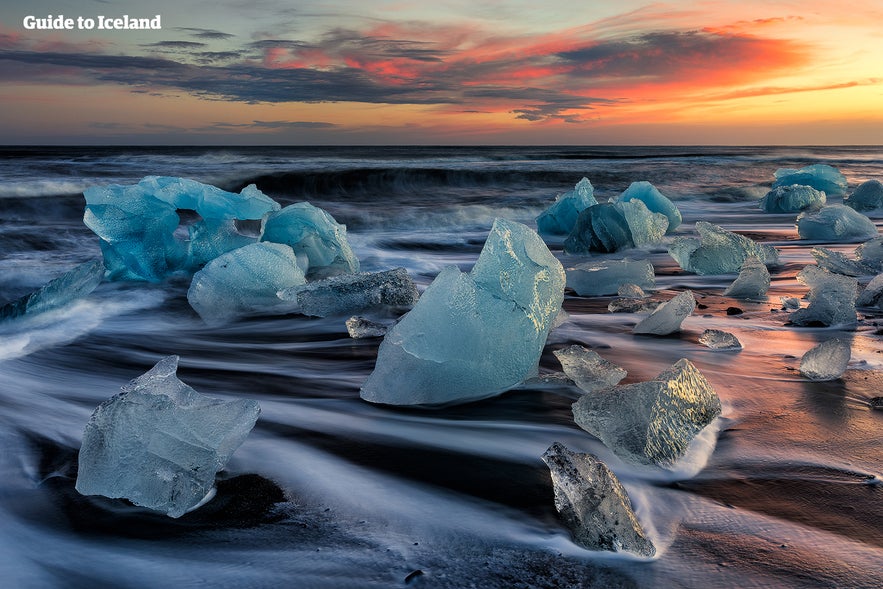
[
  {"x": 175, "y": 45},
  {"x": 276, "y": 125},
  {"x": 209, "y": 57},
  {"x": 204, "y": 33}
]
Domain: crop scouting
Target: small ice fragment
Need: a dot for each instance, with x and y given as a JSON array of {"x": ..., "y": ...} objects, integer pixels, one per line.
[
  {"x": 719, "y": 340},
  {"x": 594, "y": 504},
  {"x": 631, "y": 291},
  {"x": 753, "y": 281},
  {"x": 718, "y": 251},
  {"x": 656, "y": 202},
  {"x": 819, "y": 176},
  {"x": 868, "y": 196},
  {"x": 668, "y": 316},
  {"x": 588, "y": 370},
  {"x": 347, "y": 293},
  {"x": 605, "y": 277},
  {"x": 651, "y": 422},
  {"x": 835, "y": 223},
  {"x": 872, "y": 295},
  {"x": 826, "y": 361},
  {"x": 159, "y": 443},
  {"x": 792, "y": 199},
  {"x": 609, "y": 227},
  {"x": 631, "y": 305},
  {"x": 70, "y": 286},
  {"x": 831, "y": 298},
  {"x": 561, "y": 216},
  {"x": 870, "y": 253},
  {"x": 360, "y": 328},
  {"x": 839, "y": 264},
  {"x": 790, "y": 303}
]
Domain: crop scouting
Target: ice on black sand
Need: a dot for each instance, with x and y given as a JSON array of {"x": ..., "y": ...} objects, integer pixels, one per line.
[
  {"x": 668, "y": 316},
  {"x": 587, "y": 369},
  {"x": 826, "y": 361}
]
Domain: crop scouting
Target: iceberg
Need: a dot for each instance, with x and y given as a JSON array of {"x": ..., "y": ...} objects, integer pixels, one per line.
[
  {"x": 792, "y": 199},
  {"x": 831, "y": 298},
  {"x": 718, "y": 251},
  {"x": 872, "y": 295},
  {"x": 719, "y": 340},
  {"x": 753, "y": 281},
  {"x": 473, "y": 335},
  {"x": 348, "y": 293},
  {"x": 594, "y": 504},
  {"x": 313, "y": 233},
  {"x": 651, "y": 422},
  {"x": 588, "y": 370},
  {"x": 605, "y": 277},
  {"x": 209, "y": 201},
  {"x": 868, "y": 196},
  {"x": 656, "y": 202},
  {"x": 840, "y": 264},
  {"x": 561, "y": 216},
  {"x": 58, "y": 292},
  {"x": 210, "y": 238},
  {"x": 819, "y": 176},
  {"x": 360, "y": 328},
  {"x": 244, "y": 281},
  {"x": 826, "y": 361},
  {"x": 835, "y": 223},
  {"x": 668, "y": 316},
  {"x": 159, "y": 443},
  {"x": 609, "y": 227}
]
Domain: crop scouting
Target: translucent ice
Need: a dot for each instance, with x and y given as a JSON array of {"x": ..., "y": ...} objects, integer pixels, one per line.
[
  {"x": 872, "y": 295},
  {"x": 588, "y": 370},
  {"x": 790, "y": 303},
  {"x": 719, "y": 340},
  {"x": 831, "y": 298},
  {"x": 609, "y": 227},
  {"x": 656, "y": 202},
  {"x": 606, "y": 276},
  {"x": 826, "y": 361},
  {"x": 753, "y": 280},
  {"x": 159, "y": 443},
  {"x": 244, "y": 281},
  {"x": 868, "y": 196},
  {"x": 840, "y": 264},
  {"x": 209, "y": 201},
  {"x": 473, "y": 335},
  {"x": 70, "y": 286},
  {"x": 209, "y": 238},
  {"x": 668, "y": 316},
  {"x": 835, "y": 223},
  {"x": 631, "y": 291},
  {"x": 594, "y": 504},
  {"x": 561, "y": 216},
  {"x": 870, "y": 253},
  {"x": 651, "y": 422},
  {"x": 792, "y": 199},
  {"x": 718, "y": 251},
  {"x": 360, "y": 327},
  {"x": 312, "y": 232},
  {"x": 819, "y": 176},
  {"x": 348, "y": 293}
]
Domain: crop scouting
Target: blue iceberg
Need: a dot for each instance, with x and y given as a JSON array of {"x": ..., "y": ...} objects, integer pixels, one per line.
[
  {"x": 210, "y": 238},
  {"x": 609, "y": 227},
  {"x": 656, "y": 202},
  {"x": 209, "y": 201},
  {"x": 868, "y": 196},
  {"x": 718, "y": 251},
  {"x": 607, "y": 276},
  {"x": 820, "y": 176},
  {"x": 561, "y": 216},
  {"x": 70, "y": 286},
  {"x": 792, "y": 199},
  {"x": 835, "y": 223}
]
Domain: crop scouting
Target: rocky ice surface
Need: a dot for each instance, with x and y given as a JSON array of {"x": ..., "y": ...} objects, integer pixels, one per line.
[
  {"x": 831, "y": 298},
  {"x": 753, "y": 281},
  {"x": 668, "y": 316},
  {"x": 872, "y": 295},
  {"x": 349, "y": 293},
  {"x": 839, "y": 264},
  {"x": 718, "y": 251},
  {"x": 837, "y": 223},
  {"x": 792, "y": 199},
  {"x": 561, "y": 216},
  {"x": 820, "y": 176},
  {"x": 826, "y": 361},
  {"x": 605, "y": 277},
  {"x": 588, "y": 370},
  {"x": 70, "y": 286}
]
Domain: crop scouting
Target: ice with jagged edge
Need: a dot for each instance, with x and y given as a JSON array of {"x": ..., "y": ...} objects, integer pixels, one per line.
[
  {"x": 210, "y": 202},
  {"x": 835, "y": 223},
  {"x": 668, "y": 316},
  {"x": 651, "y": 422},
  {"x": 473, "y": 335},
  {"x": 792, "y": 199},
  {"x": 831, "y": 298},
  {"x": 820, "y": 176},
  {"x": 589, "y": 370},
  {"x": 753, "y": 281},
  {"x": 655, "y": 201},
  {"x": 561, "y": 216},
  {"x": 826, "y": 361},
  {"x": 604, "y": 277},
  {"x": 718, "y": 251},
  {"x": 867, "y": 196},
  {"x": 717, "y": 339},
  {"x": 348, "y": 293},
  {"x": 872, "y": 295},
  {"x": 58, "y": 292},
  {"x": 159, "y": 443},
  {"x": 838, "y": 263},
  {"x": 609, "y": 227},
  {"x": 362, "y": 327},
  {"x": 870, "y": 253},
  {"x": 244, "y": 281}
]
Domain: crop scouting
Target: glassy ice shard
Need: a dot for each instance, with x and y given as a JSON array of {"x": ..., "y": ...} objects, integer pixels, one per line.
[
  {"x": 561, "y": 216},
  {"x": 70, "y": 286},
  {"x": 872, "y": 295},
  {"x": 868, "y": 196},
  {"x": 668, "y": 316},
  {"x": 826, "y": 361},
  {"x": 606, "y": 276},
  {"x": 838, "y": 263},
  {"x": 831, "y": 298},
  {"x": 656, "y": 202},
  {"x": 792, "y": 199},
  {"x": 348, "y": 293},
  {"x": 718, "y": 251},
  {"x": 719, "y": 340},
  {"x": 588, "y": 370},
  {"x": 753, "y": 280},
  {"x": 835, "y": 223},
  {"x": 870, "y": 253},
  {"x": 819, "y": 176},
  {"x": 609, "y": 227}
]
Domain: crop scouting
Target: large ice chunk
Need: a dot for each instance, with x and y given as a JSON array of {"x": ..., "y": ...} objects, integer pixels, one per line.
[
  {"x": 159, "y": 443},
  {"x": 244, "y": 281},
  {"x": 792, "y": 199},
  {"x": 819, "y": 176},
  {"x": 594, "y": 504},
  {"x": 312, "y": 232},
  {"x": 609, "y": 227},
  {"x": 561, "y": 216},
  {"x": 209, "y": 201},
  {"x": 656, "y": 202},
  {"x": 831, "y": 298},
  {"x": 348, "y": 293},
  {"x": 668, "y": 316},
  {"x": 826, "y": 361},
  {"x": 753, "y": 280},
  {"x": 840, "y": 264},
  {"x": 587, "y": 369},
  {"x": 606, "y": 276},
  {"x": 210, "y": 238},
  {"x": 473, "y": 335},
  {"x": 868, "y": 196},
  {"x": 70, "y": 286},
  {"x": 719, "y": 340},
  {"x": 835, "y": 223},
  {"x": 718, "y": 251}
]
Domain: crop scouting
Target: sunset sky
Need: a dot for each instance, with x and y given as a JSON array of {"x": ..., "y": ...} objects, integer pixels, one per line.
[{"x": 225, "y": 72}]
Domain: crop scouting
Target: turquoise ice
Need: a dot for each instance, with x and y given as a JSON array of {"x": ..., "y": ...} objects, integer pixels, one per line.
[
  {"x": 820, "y": 176},
  {"x": 561, "y": 215},
  {"x": 656, "y": 202},
  {"x": 70, "y": 286},
  {"x": 831, "y": 298},
  {"x": 609, "y": 227},
  {"x": 837, "y": 223},
  {"x": 718, "y": 251},
  {"x": 868, "y": 196},
  {"x": 604, "y": 277},
  {"x": 792, "y": 199}
]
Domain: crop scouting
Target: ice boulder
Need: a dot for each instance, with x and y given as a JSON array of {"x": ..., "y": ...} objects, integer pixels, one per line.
[
  {"x": 594, "y": 504},
  {"x": 840, "y": 264},
  {"x": 587, "y": 369},
  {"x": 753, "y": 280},
  {"x": 473, "y": 335},
  {"x": 561, "y": 216},
  {"x": 244, "y": 281},
  {"x": 826, "y": 361},
  {"x": 868, "y": 196},
  {"x": 819, "y": 176},
  {"x": 668, "y": 316},
  {"x": 609, "y": 227},
  {"x": 604, "y": 277},
  {"x": 719, "y": 340},
  {"x": 651, "y": 422},
  {"x": 656, "y": 202},
  {"x": 159, "y": 443},
  {"x": 872, "y": 295},
  {"x": 718, "y": 251},
  {"x": 313, "y": 233},
  {"x": 58, "y": 292},
  {"x": 348, "y": 293},
  {"x": 835, "y": 223},
  {"x": 792, "y": 199},
  {"x": 831, "y": 298},
  {"x": 360, "y": 328}
]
